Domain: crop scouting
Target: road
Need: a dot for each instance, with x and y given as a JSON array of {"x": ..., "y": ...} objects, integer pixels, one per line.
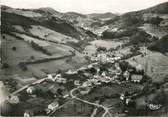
[
  {"x": 26, "y": 86},
  {"x": 106, "y": 110},
  {"x": 59, "y": 107}
]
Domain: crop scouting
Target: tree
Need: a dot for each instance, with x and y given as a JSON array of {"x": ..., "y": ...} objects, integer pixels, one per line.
[
  {"x": 101, "y": 49},
  {"x": 59, "y": 91},
  {"x": 5, "y": 66},
  {"x": 32, "y": 57},
  {"x": 59, "y": 71},
  {"x": 14, "y": 48},
  {"x": 3, "y": 37},
  {"x": 93, "y": 70},
  {"x": 123, "y": 65},
  {"x": 155, "y": 20},
  {"x": 160, "y": 98},
  {"x": 23, "y": 66}
]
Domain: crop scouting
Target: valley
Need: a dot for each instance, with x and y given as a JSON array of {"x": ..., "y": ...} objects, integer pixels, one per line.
[{"x": 72, "y": 64}]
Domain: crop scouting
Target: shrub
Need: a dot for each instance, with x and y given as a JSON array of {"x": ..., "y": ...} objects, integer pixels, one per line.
[
  {"x": 123, "y": 65},
  {"x": 14, "y": 48},
  {"x": 5, "y": 66},
  {"x": 3, "y": 37},
  {"x": 155, "y": 20},
  {"x": 32, "y": 57},
  {"x": 23, "y": 66},
  {"x": 101, "y": 49}
]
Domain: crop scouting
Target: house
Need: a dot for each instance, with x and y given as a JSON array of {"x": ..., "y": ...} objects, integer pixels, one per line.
[
  {"x": 122, "y": 96},
  {"x": 154, "y": 106},
  {"x": 61, "y": 80},
  {"x": 53, "y": 105},
  {"x": 58, "y": 76},
  {"x": 90, "y": 66},
  {"x": 13, "y": 99},
  {"x": 111, "y": 60},
  {"x": 82, "y": 68},
  {"x": 139, "y": 68},
  {"x": 103, "y": 74},
  {"x": 126, "y": 75},
  {"x": 102, "y": 57},
  {"x": 93, "y": 80},
  {"x": 33, "y": 111},
  {"x": 66, "y": 95},
  {"x": 30, "y": 90},
  {"x": 85, "y": 91},
  {"x": 136, "y": 78},
  {"x": 27, "y": 114},
  {"x": 96, "y": 76},
  {"x": 71, "y": 72},
  {"x": 49, "y": 76},
  {"x": 94, "y": 59},
  {"x": 87, "y": 84}
]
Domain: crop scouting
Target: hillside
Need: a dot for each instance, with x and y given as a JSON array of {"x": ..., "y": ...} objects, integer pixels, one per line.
[
  {"x": 160, "y": 45},
  {"x": 39, "y": 37},
  {"x": 139, "y": 17}
]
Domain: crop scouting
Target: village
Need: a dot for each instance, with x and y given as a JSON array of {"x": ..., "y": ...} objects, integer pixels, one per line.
[{"x": 106, "y": 70}]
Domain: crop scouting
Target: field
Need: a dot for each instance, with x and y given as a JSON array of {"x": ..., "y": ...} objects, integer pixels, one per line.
[
  {"x": 156, "y": 63},
  {"x": 49, "y": 34},
  {"x": 157, "y": 31},
  {"x": 74, "y": 108},
  {"x": 24, "y": 52},
  {"x": 52, "y": 66},
  {"x": 101, "y": 43}
]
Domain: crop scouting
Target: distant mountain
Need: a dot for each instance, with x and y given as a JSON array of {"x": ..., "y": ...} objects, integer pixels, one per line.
[
  {"x": 159, "y": 9},
  {"x": 74, "y": 14},
  {"x": 65, "y": 23},
  {"x": 102, "y": 16},
  {"x": 138, "y": 17}
]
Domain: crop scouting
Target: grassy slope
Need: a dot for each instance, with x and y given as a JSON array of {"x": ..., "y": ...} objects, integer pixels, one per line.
[
  {"x": 51, "y": 23},
  {"x": 24, "y": 52},
  {"x": 160, "y": 45},
  {"x": 157, "y": 65}
]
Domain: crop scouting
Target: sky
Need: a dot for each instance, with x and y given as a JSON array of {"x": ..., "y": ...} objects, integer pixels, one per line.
[{"x": 85, "y": 6}]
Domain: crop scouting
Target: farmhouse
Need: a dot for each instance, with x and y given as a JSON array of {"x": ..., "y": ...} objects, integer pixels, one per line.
[
  {"x": 53, "y": 105},
  {"x": 71, "y": 72},
  {"x": 85, "y": 91},
  {"x": 30, "y": 90},
  {"x": 126, "y": 75},
  {"x": 136, "y": 78},
  {"x": 13, "y": 99}
]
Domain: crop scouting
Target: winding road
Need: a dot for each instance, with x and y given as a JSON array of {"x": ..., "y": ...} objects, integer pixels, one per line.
[{"x": 91, "y": 103}]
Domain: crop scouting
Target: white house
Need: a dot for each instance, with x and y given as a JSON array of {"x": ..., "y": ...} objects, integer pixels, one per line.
[
  {"x": 87, "y": 84},
  {"x": 71, "y": 72},
  {"x": 136, "y": 78},
  {"x": 49, "y": 76},
  {"x": 53, "y": 105},
  {"x": 30, "y": 90},
  {"x": 122, "y": 96},
  {"x": 154, "y": 106},
  {"x": 61, "y": 80},
  {"x": 14, "y": 99},
  {"x": 126, "y": 75}
]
